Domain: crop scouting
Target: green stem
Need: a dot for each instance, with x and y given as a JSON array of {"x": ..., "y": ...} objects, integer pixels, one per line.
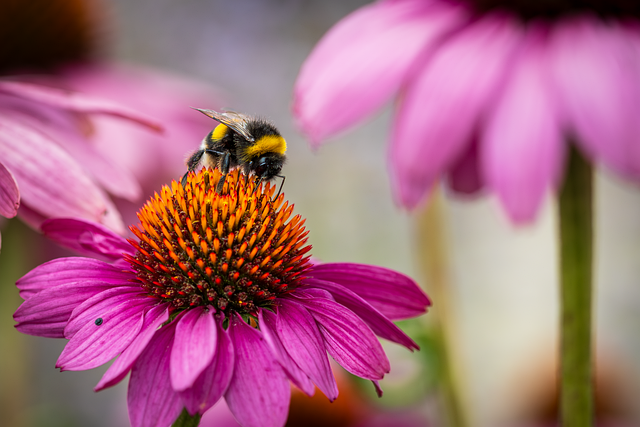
[
  {"x": 576, "y": 255},
  {"x": 433, "y": 249},
  {"x": 17, "y": 257},
  {"x": 186, "y": 420}
]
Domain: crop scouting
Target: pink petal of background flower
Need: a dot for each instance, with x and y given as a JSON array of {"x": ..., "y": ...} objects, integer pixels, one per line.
[
  {"x": 9, "y": 193},
  {"x": 522, "y": 147},
  {"x": 598, "y": 90},
  {"x": 444, "y": 104},
  {"x": 153, "y": 158},
  {"x": 363, "y": 61}
]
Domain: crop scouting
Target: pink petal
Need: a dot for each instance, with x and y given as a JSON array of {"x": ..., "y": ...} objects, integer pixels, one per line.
[
  {"x": 92, "y": 308},
  {"x": 31, "y": 217},
  {"x": 51, "y": 182},
  {"x": 378, "y": 323},
  {"x": 312, "y": 293},
  {"x": 9, "y": 193},
  {"x": 74, "y": 101},
  {"x": 465, "y": 175},
  {"x": 153, "y": 319},
  {"x": 111, "y": 176},
  {"x": 348, "y": 339},
  {"x": 46, "y": 313},
  {"x": 363, "y": 60},
  {"x": 151, "y": 400},
  {"x": 69, "y": 131},
  {"x": 97, "y": 343},
  {"x": 214, "y": 380},
  {"x": 219, "y": 416},
  {"x": 193, "y": 347},
  {"x": 395, "y": 295},
  {"x": 87, "y": 238},
  {"x": 259, "y": 392},
  {"x": 303, "y": 341},
  {"x": 443, "y": 104},
  {"x": 522, "y": 147},
  {"x": 75, "y": 269},
  {"x": 597, "y": 86},
  {"x": 267, "y": 322},
  {"x": 111, "y": 217},
  {"x": 376, "y": 385}
]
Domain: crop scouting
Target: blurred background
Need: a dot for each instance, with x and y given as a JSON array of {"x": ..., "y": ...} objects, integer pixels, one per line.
[{"x": 502, "y": 280}]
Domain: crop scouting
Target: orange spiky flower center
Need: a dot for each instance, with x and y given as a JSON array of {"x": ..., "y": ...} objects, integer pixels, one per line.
[{"x": 235, "y": 251}]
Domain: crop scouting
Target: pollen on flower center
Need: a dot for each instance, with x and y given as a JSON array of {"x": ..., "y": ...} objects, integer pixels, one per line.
[{"x": 235, "y": 251}]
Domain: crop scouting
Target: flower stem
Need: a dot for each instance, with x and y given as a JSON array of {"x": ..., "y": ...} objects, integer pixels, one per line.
[
  {"x": 433, "y": 250},
  {"x": 16, "y": 259},
  {"x": 576, "y": 254},
  {"x": 186, "y": 420}
]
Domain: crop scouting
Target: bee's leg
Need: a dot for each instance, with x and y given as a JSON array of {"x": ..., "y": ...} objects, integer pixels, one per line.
[
  {"x": 281, "y": 185},
  {"x": 246, "y": 179},
  {"x": 183, "y": 181},
  {"x": 224, "y": 168},
  {"x": 258, "y": 181},
  {"x": 192, "y": 164}
]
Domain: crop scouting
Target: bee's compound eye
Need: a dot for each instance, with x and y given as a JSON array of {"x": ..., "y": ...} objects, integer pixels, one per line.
[{"x": 262, "y": 167}]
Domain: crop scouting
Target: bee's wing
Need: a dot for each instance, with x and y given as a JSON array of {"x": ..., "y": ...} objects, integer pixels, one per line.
[{"x": 236, "y": 121}]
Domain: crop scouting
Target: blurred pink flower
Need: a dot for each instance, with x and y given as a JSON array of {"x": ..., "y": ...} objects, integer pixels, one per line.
[
  {"x": 47, "y": 168},
  {"x": 489, "y": 92}
]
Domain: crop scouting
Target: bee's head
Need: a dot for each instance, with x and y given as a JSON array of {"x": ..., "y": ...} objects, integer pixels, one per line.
[{"x": 268, "y": 166}]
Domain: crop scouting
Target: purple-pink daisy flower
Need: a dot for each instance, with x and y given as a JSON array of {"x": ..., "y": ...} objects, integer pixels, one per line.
[
  {"x": 489, "y": 92},
  {"x": 216, "y": 297},
  {"x": 47, "y": 167}
]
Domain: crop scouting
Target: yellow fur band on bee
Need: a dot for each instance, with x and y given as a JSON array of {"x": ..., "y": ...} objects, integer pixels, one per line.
[
  {"x": 267, "y": 144},
  {"x": 219, "y": 132}
]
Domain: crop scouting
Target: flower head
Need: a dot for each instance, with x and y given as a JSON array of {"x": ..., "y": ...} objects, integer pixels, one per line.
[
  {"x": 235, "y": 253},
  {"x": 490, "y": 91},
  {"x": 217, "y": 297}
]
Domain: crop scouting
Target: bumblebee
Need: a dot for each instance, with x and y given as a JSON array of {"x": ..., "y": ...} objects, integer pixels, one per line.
[{"x": 252, "y": 144}]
